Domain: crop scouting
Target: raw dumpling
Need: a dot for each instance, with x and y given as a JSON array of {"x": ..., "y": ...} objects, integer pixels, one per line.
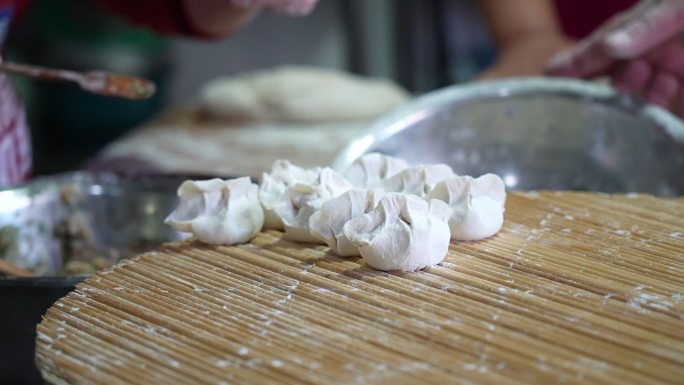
[
  {"x": 404, "y": 232},
  {"x": 274, "y": 185},
  {"x": 370, "y": 170},
  {"x": 221, "y": 212},
  {"x": 478, "y": 205},
  {"x": 303, "y": 199},
  {"x": 327, "y": 224},
  {"x": 418, "y": 180}
]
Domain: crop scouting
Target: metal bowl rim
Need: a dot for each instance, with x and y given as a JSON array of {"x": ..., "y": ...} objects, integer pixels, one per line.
[{"x": 395, "y": 121}]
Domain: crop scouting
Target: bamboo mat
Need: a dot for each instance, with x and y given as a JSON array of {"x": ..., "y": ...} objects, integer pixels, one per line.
[{"x": 576, "y": 288}]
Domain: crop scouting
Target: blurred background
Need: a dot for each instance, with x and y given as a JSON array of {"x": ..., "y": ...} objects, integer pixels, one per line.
[{"x": 421, "y": 45}]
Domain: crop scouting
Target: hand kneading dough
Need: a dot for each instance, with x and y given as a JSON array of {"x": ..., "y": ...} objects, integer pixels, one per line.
[
  {"x": 478, "y": 205},
  {"x": 222, "y": 212},
  {"x": 404, "y": 232},
  {"x": 300, "y": 95}
]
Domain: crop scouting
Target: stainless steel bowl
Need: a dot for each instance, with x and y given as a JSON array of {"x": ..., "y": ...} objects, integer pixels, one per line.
[
  {"x": 119, "y": 213},
  {"x": 123, "y": 213},
  {"x": 537, "y": 133}
]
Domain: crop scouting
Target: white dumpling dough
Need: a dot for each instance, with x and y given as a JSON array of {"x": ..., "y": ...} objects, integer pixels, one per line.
[
  {"x": 302, "y": 200},
  {"x": 300, "y": 95},
  {"x": 274, "y": 185},
  {"x": 418, "y": 180},
  {"x": 404, "y": 232},
  {"x": 327, "y": 224},
  {"x": 478, "y": 205},
  {"x": 370, "y": 170},
  {"x": 220, "y": 212}
]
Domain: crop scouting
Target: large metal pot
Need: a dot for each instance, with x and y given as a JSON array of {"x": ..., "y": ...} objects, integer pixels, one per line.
[
  {"x": 537, "y": 133},
  {"x": 124, "y": 213}
]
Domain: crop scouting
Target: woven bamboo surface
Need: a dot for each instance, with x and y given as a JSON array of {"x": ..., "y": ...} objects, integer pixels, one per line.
[{"x": 576, "y": 288}]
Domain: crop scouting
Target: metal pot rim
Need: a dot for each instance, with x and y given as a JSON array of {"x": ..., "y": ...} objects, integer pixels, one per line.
[{"x": 413, "y": 111}]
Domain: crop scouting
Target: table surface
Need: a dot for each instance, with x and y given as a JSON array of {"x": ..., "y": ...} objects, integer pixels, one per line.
[{"x": 576, "y": 288}]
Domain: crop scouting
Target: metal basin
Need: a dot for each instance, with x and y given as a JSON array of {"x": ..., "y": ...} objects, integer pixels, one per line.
[
  {"x": 124, "y": 214},
  {"x": 537, "y": 133},
  {"x": 117, "y": 214}
]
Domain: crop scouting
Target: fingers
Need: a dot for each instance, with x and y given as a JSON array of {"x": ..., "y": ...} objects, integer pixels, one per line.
[
  {"x": 587, "y": 59},
  {"x": 645, "y": 44},
  {"x": 633, "y": 77},
  {"x": 642, "y": 79},
  {"x": 300, "y": 8},
  {"x": 289, "y": 7},
  {"x": 670, "y": 57},
  {"x": 626, "y": 36},
  {"x": 646, "y": 26},
  {"x": 657, "y": 77},
  {"x": 667, "y": 87},
  {"x": 678, "y": 106},
  {"x": 663, "y": 89}
]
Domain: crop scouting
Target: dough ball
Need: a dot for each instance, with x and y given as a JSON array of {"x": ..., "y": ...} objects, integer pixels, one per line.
[{"x": 299, "y": 95}]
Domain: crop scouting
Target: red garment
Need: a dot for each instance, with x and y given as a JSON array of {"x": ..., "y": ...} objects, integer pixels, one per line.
[
  {"x": 579, "y": 18},
  {"x": 164, "y": 16}
]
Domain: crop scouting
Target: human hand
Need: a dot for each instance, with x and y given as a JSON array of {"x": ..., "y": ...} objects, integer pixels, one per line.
[
  {"x": 526, "y": 57},
  {"x": 641, "y": 51},
  {"x": 290, "y": 7},
  {"x": 225, "y": 17}
]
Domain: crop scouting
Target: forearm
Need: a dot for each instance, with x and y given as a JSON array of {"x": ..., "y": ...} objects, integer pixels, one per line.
[
  {"x": 202, "y": 18},
  {"x": 216, "y": 17},
  {"x": 197, "y": 18},
  {"x": 512, "y": 21}
]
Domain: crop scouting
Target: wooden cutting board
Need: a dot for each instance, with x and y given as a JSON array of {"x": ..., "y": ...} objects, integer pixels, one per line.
[{"x": 576, "y": 288}]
